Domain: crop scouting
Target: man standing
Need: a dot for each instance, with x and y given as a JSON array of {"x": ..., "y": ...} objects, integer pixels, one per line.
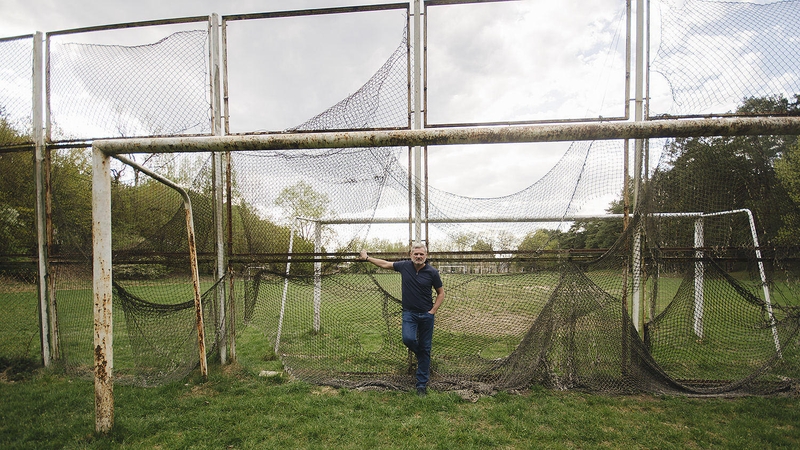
[{"x": 418, "y": 280}]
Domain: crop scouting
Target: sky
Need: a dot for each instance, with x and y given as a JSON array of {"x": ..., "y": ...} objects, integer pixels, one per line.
[{"x": 497, "y": 62}]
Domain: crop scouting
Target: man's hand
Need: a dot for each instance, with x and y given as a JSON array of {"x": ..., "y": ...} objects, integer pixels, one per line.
[{"x": 364, "y": 255}]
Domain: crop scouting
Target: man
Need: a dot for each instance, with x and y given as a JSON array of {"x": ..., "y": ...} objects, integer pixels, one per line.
[{"x": 418, "y": 280}]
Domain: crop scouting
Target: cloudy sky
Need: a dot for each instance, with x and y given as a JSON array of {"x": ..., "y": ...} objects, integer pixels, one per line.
[{"x": 494, "y": 62}]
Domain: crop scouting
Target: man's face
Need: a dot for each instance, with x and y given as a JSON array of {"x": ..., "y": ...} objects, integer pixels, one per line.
[{"x": 418, "y": 255}]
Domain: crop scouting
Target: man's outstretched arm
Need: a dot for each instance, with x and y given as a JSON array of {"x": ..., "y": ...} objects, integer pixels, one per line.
[{"x": 382, "y": 263}]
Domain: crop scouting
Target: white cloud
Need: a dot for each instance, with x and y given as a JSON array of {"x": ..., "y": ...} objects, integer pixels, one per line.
[{"x": 525, "y": 61}]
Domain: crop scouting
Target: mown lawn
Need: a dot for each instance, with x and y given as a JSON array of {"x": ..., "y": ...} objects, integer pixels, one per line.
[{"x": 237, "y": 409}]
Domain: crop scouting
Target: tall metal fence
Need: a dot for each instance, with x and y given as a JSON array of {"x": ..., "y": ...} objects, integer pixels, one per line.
[{"x": 201, "y": 76}]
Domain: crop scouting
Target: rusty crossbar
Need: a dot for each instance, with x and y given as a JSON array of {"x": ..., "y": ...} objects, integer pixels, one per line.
[{"x": 739, "y": 126}]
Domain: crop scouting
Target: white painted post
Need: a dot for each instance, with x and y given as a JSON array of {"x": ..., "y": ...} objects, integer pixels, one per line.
[
  {"x": 417, "y": 120},
  {"x": 285, "y": 290},
  {"x": 41, "y": 210},
  {"x": 317, "y": 277},
  {"x": 216, "y": 105},
  {"x": 699, "y": 277},
  {"x": 101, "y": 276},
  {"x": 636, "y": 297},
  {"x": 764, "y": 284}
]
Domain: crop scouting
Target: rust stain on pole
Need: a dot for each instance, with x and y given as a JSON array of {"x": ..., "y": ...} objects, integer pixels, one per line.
[
  {"x": 198, "y": 305},
  {"x": 456, "y": 136},
  {"x": 102, "y": 293}
]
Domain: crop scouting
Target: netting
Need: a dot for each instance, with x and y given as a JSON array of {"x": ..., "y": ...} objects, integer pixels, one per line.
[
  {"x": 713, "y": 54},
  {"x": 698, "y": 295},
  {"x": 103, "y": 91},
  {"x": 19, "y": 324},
  {"x": 15, "y": 91}
]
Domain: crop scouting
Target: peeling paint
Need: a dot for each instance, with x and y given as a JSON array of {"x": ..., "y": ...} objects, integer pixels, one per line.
[{"x": 459, "y": 136}]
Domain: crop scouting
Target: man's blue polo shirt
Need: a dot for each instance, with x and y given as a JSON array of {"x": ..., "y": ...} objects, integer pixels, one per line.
[{"x": 417, "y": 286}]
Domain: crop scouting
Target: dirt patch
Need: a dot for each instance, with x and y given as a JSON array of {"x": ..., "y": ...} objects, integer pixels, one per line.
[
  {"x": 325, "y": 390},
  {"x": 17, "y": 369},
  {"x": 466, "y": 320}
]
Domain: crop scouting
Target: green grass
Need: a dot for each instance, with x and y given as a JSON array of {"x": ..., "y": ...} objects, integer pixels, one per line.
[{"x": 236, "y": 409}]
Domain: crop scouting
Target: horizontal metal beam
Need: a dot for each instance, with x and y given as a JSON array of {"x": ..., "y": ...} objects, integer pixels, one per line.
[
  {"x": 315, "y": 12},
  {"x": 741, "y": 126},
  {"x": 448, "y": 220}
]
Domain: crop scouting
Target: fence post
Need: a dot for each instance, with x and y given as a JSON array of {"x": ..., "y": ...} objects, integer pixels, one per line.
[
  {"x": 699, "y": 276},
  {"x": 216, "y": 104},
  {"x": 40, "y": 205},
  {"x": 101, "y": 276}
]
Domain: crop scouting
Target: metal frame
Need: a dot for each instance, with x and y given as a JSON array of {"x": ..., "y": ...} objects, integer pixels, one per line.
[
  {"x": 295, "y": 13},
  {"x": 434, "y": 3},
  {"x": 125, "y": 25},
  {"x": 742, "y": 126},
  {"x": 198, "y": 303},
  {"x": 421, "y": 136}
]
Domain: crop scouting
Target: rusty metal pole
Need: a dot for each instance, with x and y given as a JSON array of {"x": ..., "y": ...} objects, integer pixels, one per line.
[
  {"x": 198, "y": 305},
  {"x": 217, "y": 158},
  {"x": 101, "y": 275},
  {"x": 417, "y": 120},
  {"x": 594, "y": 131}
]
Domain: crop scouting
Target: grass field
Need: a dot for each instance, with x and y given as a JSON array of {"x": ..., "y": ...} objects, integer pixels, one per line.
[
  {"x": 483, "y": 320},
  {"x": 236, "y": 409}
]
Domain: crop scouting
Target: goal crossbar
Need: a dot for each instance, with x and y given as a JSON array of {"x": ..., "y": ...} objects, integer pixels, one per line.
[
  {"x": 734, "y": 126},
  {"x": 102, "y": 150}
]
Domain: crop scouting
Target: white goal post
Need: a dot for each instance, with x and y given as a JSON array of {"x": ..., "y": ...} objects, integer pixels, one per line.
[{"x": 102, "y": 150}]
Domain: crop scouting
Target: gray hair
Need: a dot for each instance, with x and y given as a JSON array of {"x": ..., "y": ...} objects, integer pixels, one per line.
[{"x": 419, "y": 245}]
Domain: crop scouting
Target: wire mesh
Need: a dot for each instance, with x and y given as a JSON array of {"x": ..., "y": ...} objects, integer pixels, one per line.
[{"x": 16, "y": 87}]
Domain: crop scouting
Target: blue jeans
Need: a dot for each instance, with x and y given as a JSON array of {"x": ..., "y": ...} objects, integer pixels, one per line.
[{"x": 418, "y": 336}]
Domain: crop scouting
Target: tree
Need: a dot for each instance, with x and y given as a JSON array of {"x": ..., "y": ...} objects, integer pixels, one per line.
[
  {"x": 8, "y": 134},
  {"x": 302, "y": 201},
  {"x": 713, "y": 174},
  {"x": 398, "y": 249},
  {"x": 17, "y": 220},
  {"x": 787, "y": 169},
  {"x": 535, "y": 241},
  {"x": 597, "y": 233}
]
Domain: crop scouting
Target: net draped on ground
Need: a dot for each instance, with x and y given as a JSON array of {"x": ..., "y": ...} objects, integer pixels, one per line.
[{"x": 548, "y": 314}]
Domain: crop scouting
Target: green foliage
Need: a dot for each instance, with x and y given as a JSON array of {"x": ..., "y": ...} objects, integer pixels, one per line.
[
  {"x": 71, "y": 180},
  {"x": 301, "y": 200},
  {"x": 536, "y": 241},
  {"x": 9, "y": 136},
  {"x": 395, "y": 250},
  {"x": 712, "y": 174},
  {"x": 253, "y": 234},
  {"x": 787, "y": 169}
]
